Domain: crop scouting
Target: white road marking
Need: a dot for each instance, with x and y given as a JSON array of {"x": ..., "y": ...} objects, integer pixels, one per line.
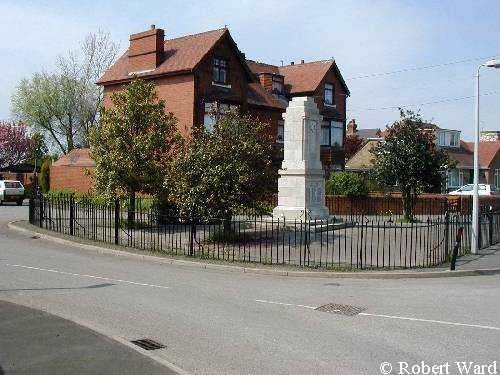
[
  {"x": 90, "y": 276},
  {"x": 431, "y": 321},
  {"x": 392, "y": 316},
  {"x": 284, "y": 304}
]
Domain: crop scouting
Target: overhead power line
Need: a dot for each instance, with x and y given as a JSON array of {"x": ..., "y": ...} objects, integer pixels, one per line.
[
  {"x": 421, "y": 68},
  {"x": 446, "y": 100}
]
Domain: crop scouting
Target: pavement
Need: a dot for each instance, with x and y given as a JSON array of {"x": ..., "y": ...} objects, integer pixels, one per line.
[{"x": 215, "y": 322}]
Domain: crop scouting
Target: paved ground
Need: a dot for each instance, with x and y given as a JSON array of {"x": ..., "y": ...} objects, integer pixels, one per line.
[
  {"x": 34, "y": 342},
  {"x": 216, "y": 322}
]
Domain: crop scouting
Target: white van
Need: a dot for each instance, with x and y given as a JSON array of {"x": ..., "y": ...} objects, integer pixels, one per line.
[{"x": 11, "y": 191}]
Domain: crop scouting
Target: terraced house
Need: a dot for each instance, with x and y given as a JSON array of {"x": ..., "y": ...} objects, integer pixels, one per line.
[{"x": 197, "y": 73}]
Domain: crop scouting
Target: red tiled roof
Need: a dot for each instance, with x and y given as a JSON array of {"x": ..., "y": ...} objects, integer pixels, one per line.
[
  {"x": 257, "y": 95},
  {"x": 258, "y": 67},
  {"x": 299, "y": 78},
  {"x": 304, "y": 77},
  {"x": 181, "y": 54},
  {"x": 487, "y": 152},
  {"x": 78, "y": 157},
  {"x": 462, "y": 156}
]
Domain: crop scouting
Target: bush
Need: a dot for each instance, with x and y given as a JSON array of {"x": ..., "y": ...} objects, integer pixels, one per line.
[
  {"x": 45, "y": 175},
  {"x": 347, "y": 183}
]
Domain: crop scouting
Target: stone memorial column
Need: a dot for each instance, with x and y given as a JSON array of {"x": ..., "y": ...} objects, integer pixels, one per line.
[{"x": 301, "y": 186}]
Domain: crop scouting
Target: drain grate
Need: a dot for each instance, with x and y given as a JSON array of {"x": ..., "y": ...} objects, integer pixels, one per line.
[
  {"x": 334, "y": 308},
  {"x": 148, "y": 344}
]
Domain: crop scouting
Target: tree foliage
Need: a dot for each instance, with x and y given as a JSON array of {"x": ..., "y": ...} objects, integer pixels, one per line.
[
  {"x": 409, "y": 157},
  {"x": 352, "y": 145},
  {"x": 134, "y": 143},
  {"x": 64, "y": 106},
  {"x": 16, "y": 146},
  {"x": 350, "y": 184},
  {"x": 45, "y": 175},
  {"x": 225, "y": 170}
]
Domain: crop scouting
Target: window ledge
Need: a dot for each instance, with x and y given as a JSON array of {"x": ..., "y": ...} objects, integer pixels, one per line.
[
  {"x": 227, "y": 86},
  {"x": 330, "y": 105}
]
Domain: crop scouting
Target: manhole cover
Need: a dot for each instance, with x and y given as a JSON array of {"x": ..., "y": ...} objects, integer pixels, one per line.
[
  {"x": 148, "y": 344},
  {"x": 341, "y": 309}
]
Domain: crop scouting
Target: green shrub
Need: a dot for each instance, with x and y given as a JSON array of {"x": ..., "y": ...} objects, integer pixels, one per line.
[
  {"x": 45, "y": 175},
  {"x": 347, "y": 183}
]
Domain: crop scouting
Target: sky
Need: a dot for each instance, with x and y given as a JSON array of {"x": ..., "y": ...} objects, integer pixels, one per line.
[{"x": 420, "y": 55}]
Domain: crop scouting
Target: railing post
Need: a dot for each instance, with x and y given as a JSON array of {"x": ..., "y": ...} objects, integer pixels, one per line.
[
  {"x": 71, "y": 215},
  {"x": 447, "y": 233},
  {"x": 30, "y": 211},
  {"x": 455, "y": 249},
  {"x": 40, "y": 210},
  {"x": 490, "y": 234},
  {"x": 117, "y": 220}
]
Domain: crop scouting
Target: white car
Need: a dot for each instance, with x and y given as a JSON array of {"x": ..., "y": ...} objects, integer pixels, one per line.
[
  {"x": 11, "y": 191},
  {"x": 483, "y": 189}
]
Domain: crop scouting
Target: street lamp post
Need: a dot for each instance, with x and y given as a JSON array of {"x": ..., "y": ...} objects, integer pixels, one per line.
[{"x": 475, "y": 197}]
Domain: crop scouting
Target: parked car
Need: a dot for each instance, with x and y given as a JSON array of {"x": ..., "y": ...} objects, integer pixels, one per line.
[
  {"x": 11, "y": 191},
  {"x": 483, "y": 189}
]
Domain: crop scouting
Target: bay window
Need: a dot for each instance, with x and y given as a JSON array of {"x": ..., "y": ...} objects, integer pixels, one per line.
[
  {"x": 214, "y": 109},
  {"x": 332, "y": 133}
]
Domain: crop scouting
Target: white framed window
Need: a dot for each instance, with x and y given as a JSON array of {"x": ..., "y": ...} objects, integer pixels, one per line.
[
  {"x": 329, "y": 94},
  {"x": 332, "y": 133},
  {"x": 448, "y": 138},
  {"x": 280, "y": 136},
  {"x": 337, "y": 133},
  {"x": 455, "y": 178},
  {"x": 212, "y": 110},
  {"x": 208, "y": 118},
  {"x": 325, "y": 133}
]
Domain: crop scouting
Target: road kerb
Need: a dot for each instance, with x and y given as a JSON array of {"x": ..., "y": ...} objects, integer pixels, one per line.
[{"x": 261, "y": 271}]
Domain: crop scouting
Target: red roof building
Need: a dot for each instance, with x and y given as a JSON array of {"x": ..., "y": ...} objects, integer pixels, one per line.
[{"x": 196, "y": 73}]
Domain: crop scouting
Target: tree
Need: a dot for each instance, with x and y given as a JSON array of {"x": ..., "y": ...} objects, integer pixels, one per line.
[
  {"x": 352, "y": 145},
  {"x": 409, "y": 157},
  {"x": 64, "y": 106},
  {"x": 45, "y": 175},
  {"x": 224, "y": 170},
  {"x": 16, "y": 145},
  {"x": 134, "y": 143},
  {"x": 350, "y": 184}
]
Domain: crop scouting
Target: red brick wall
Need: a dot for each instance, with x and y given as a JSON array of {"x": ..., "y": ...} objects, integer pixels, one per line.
[
  {"x": 146, "y": 50},
  {"x": 70, "y": 178},
  {"x": 178, "y": 93}
]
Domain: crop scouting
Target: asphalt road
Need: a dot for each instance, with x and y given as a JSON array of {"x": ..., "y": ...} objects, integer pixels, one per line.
[{"x": 215, "y": 322}]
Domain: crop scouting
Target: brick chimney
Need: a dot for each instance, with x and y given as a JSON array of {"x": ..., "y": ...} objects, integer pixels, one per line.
[
  {"x": 351, "y": 127},
  {"x": 146, "y": 50},
  {"x": 266, "y": 80}
]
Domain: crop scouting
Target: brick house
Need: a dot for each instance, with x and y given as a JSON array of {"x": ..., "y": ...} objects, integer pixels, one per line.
[
  {"x": 460, "y": 152},
  {"x": 196, "y": 73}
]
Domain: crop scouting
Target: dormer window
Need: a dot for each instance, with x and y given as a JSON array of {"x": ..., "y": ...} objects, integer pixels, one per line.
[
  {"x": 277, "y": 84},
  {"x": 329, "y": 94},
  {"x": 448, "y": 138},
  {"x": 220, "y": 70}
]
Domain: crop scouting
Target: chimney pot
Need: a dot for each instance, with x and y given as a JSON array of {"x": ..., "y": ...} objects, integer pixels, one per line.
[
  {"x": 153, "y": 27},
  {"x": 302, "y": 61},
  {"x": 292, "y": 63}
]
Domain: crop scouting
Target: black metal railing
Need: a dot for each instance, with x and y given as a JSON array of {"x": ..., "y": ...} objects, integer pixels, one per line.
[{"x": 366, "y": 242}]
